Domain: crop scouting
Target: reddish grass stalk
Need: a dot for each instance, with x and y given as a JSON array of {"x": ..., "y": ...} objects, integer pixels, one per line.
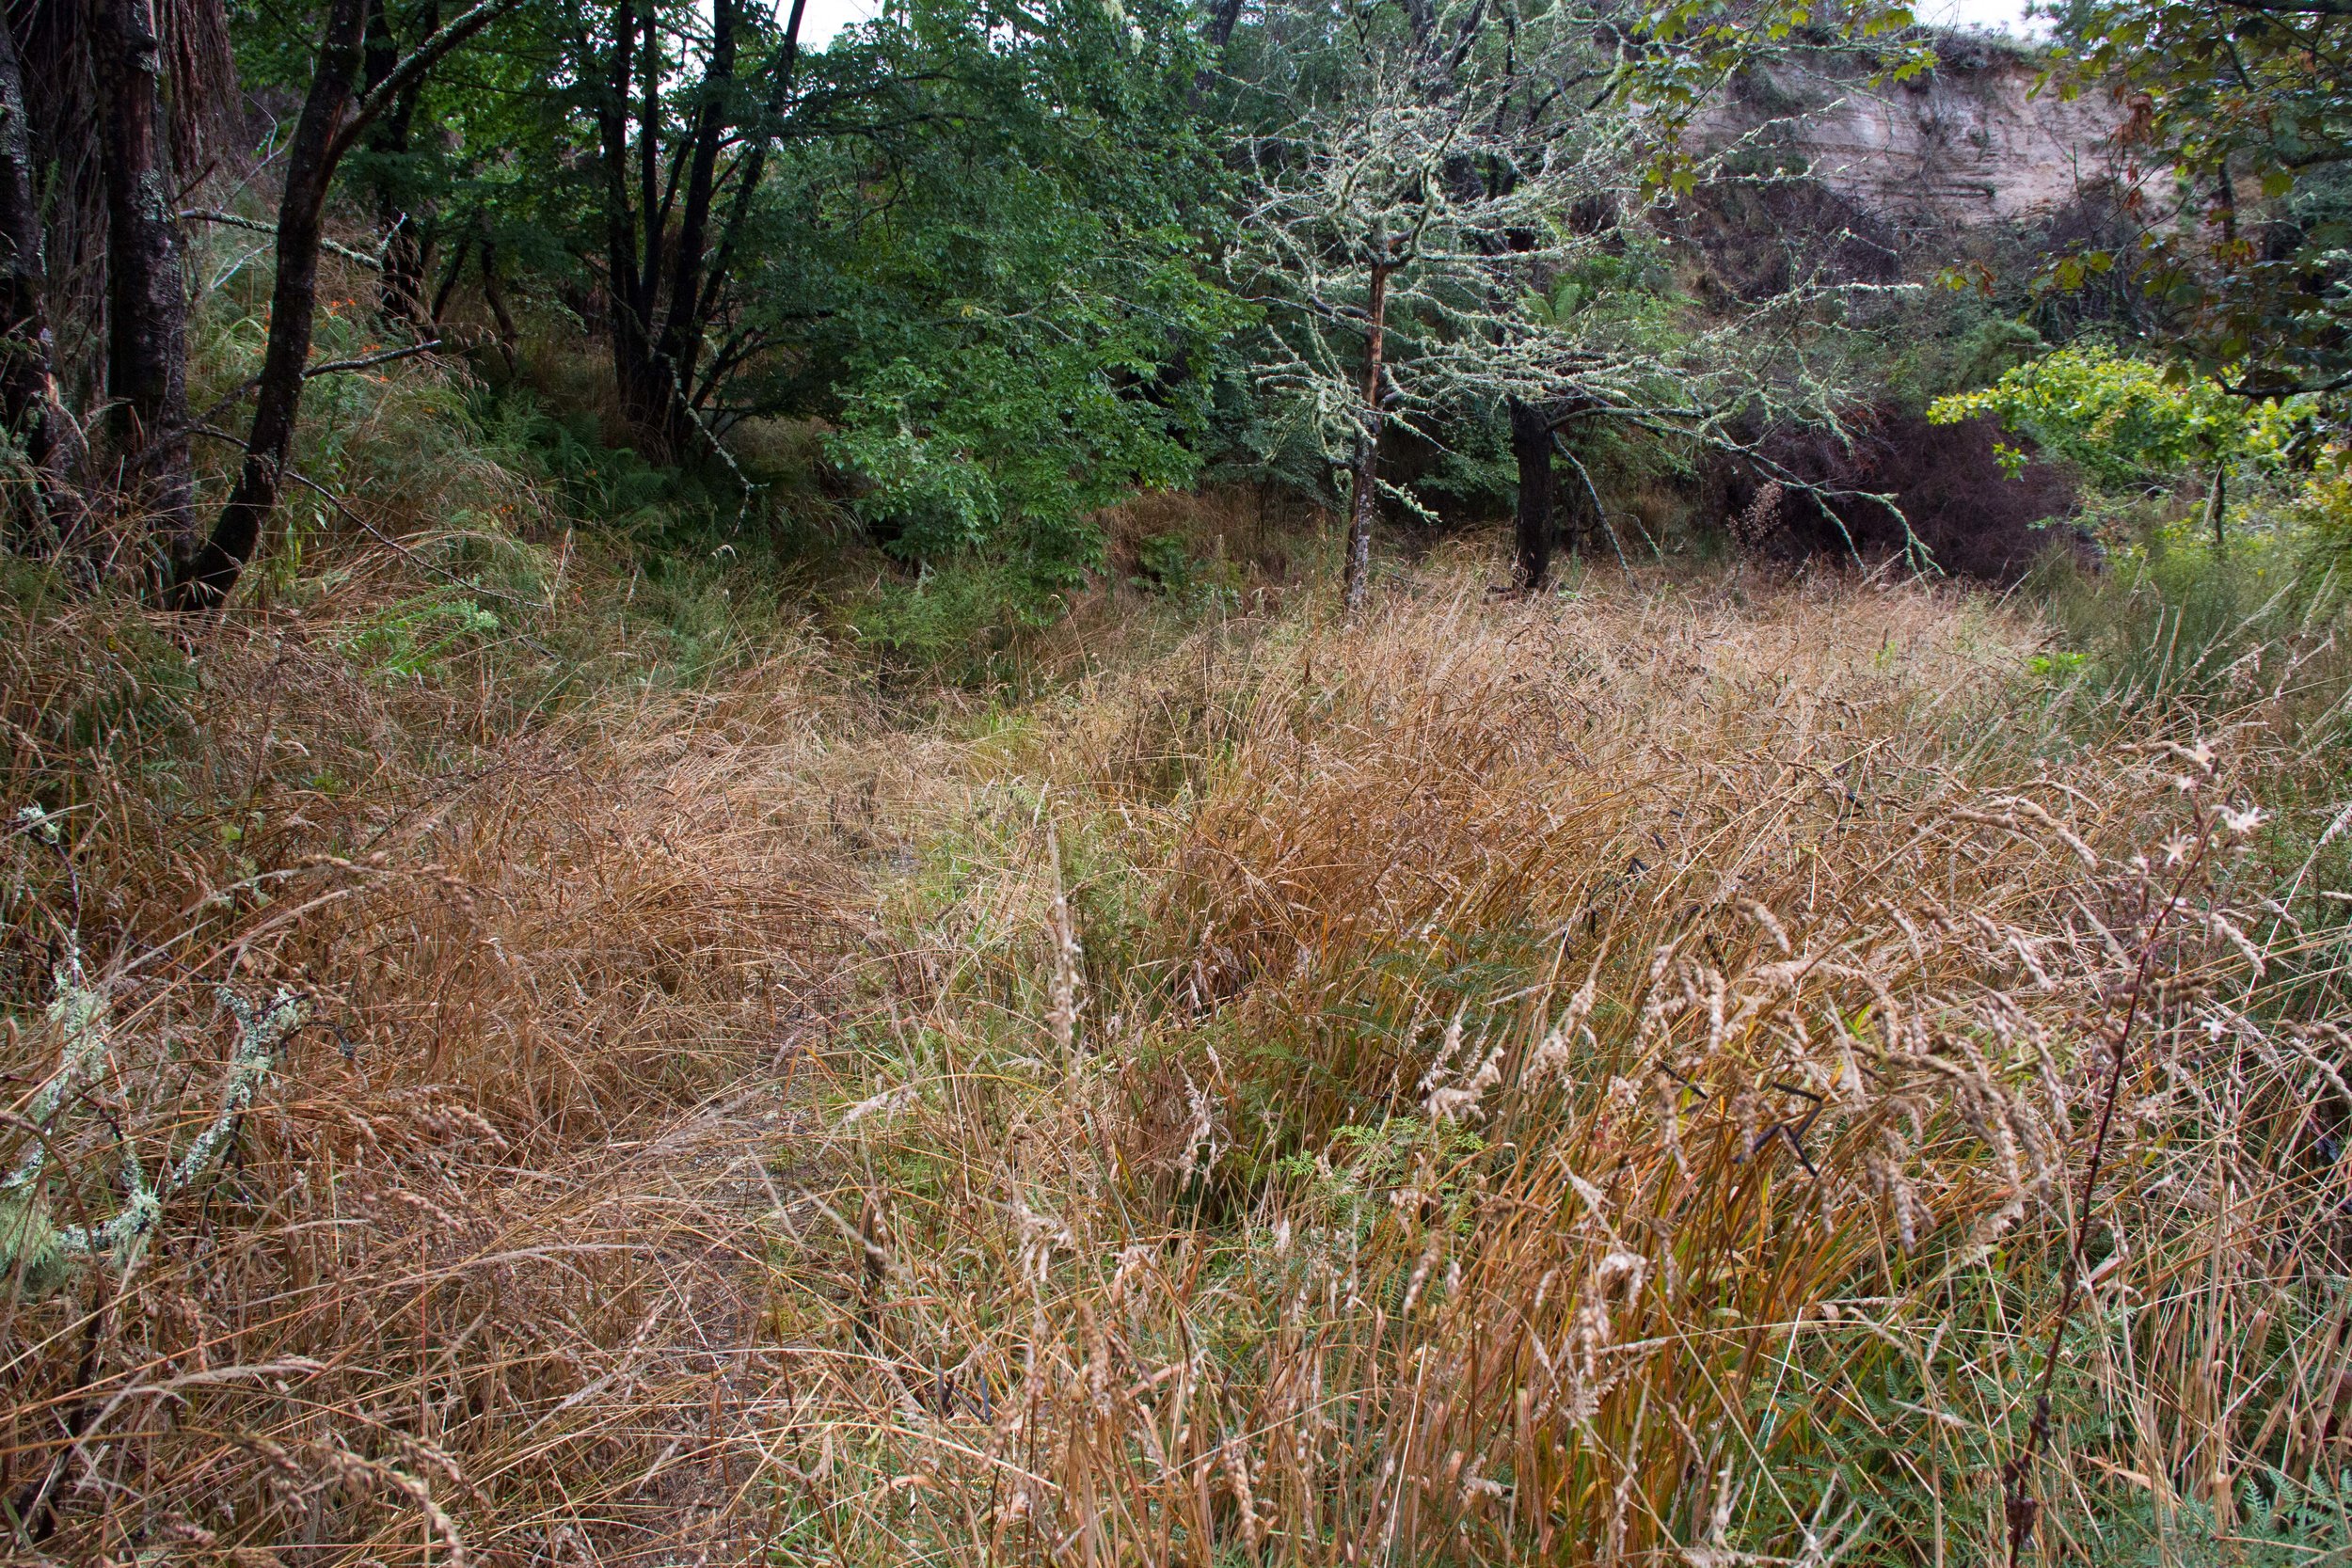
[{"x": 2019, "y": 1507}]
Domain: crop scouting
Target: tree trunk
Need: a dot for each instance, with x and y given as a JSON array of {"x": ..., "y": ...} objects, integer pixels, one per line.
[
  {"x": 494, "y": 295},
  {"x": 682, "y": 323},
  {"x": 1531, "y": 444},
  {"x": 781, "y": 75},
  {"x": 450, "y": 280},
  {"x": 146, "y": 348},
  {"x": 662, "y": 295},
  {"x": 301, "y": 217},
  {"x": 1364, "y": 505},
  {"x": 28, "y": 392},
  {"x": 400, "y": 288},
  {"x": 2217, "y": 507},
  {"x": 627, "y": 270}
]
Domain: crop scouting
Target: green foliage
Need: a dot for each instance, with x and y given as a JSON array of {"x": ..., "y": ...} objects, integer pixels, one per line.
[
  {"x": 1020, "y": 335},
  {"x": 1166, "y": 564},
  {"x": 2281, "y": 1523},
  {"x": 613, "y": 487},
  {"x": 2127, "y": 421},
  {"x": 954, "y": 619},
  {"x": 2243, "y": 272},
  {"x": 409, "y": 641},
  {"x": 2169, "y": 627}
]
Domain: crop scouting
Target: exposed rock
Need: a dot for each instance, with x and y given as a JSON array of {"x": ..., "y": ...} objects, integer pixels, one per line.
[{"x": 1975, "y": 141}]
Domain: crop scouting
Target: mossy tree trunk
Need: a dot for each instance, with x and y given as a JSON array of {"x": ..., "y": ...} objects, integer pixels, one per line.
[{"x": 1364, "y": 505}]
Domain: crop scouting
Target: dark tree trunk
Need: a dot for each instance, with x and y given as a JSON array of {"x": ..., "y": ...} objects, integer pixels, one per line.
[
  {"x": 645, "y": 394},
  {"x": 626, "y": 271},
  {"x": 664, "y": 290},
  {"x": 781, "y": 74},
  {"x": 1364, "y": 504},
  {"x": 450, "y": 280},
  {"x": 28, "y": 393},
  {"x": 146, "y": 296},
  {"x": 311, "y": 159},
  {"x": 400, "y": 288},
  {"x": 1421, "y": 17},
  {"x": 1531, "y": 444},
  {"x": 24, "y": 273},
  {"x": 682, "y": 323},
  {"x": 494, "y": 295}
]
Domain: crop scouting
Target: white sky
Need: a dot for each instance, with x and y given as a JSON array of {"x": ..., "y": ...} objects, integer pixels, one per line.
[
  {"x": 824, "y": 17},
  {"x": 2006, "y": 16}
]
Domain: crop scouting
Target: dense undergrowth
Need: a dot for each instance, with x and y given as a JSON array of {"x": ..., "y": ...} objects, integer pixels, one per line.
[{"x": 1606, "y": 1077}]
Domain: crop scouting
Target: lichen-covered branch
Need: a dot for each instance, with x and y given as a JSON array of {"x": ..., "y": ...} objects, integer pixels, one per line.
[{"x": 39, "y": 1256}]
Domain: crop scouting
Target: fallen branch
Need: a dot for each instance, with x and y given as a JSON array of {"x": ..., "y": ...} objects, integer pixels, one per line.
[{"x": 259, "y": 226}]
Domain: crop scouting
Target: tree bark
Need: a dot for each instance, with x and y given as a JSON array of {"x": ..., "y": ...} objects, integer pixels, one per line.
[
  {"x": 682, "y": 323},
  {"x": 450, "y": 280},
  {"x": 747, "y": 176},
  {"x": 400, "y": 288},
  {"x": 311, "y": 159},
  {"x": 494, "y": 295},
  {"x": 1531, "y": 444},
  {"x": 146, "y": 348},
  {"x": 662, "y": 295},
  {"x": 627, "y": 270},
  {"x": 1364, "y": 505},
  {"x": 28, "y": 392}
]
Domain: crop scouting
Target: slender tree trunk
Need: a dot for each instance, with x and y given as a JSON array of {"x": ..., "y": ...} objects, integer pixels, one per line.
[
  {"x": 400, "y": 288},
  {"x": 29, "y": 391},
  {"x": 663, "y": 293},
  {"x": 494, "y": 295},
  {"x": 2216, "y": 506},
  {"x": 301, "y": 221},
  {"x": 682, "y": 323},
  {"x": 24, "y": 272},
  {"x": 1364, "y": 505},
  {"x": 780, "y": 79},
  {"x": 147, "y": 349},
  {"x": 450, "y": 280},
  {"x": 1531, "y": 444},
  {"x": 626, "y": 270},
  {"x": 645, "y": 392}
]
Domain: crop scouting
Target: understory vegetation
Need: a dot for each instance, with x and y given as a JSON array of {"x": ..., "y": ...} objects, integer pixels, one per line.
[
  {"x": 1594, "y": 1076},
  {"x": 1112, "y": 785}
]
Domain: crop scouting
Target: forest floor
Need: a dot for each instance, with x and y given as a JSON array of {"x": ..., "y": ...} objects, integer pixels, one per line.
[{"x": 1600, "y": 1076}]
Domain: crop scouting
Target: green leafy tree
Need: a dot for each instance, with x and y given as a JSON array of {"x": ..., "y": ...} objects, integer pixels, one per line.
[
  {"x": 2124, "y": 421},
  {"x": 2237, "y": 132},
  {"x": 1012, "y": 321}
]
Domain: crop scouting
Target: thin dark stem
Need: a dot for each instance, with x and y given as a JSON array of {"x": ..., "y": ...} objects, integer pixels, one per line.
[{"x": 2020, "y": 1506}]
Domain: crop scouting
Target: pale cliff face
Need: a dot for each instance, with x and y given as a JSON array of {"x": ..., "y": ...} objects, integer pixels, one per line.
[{"x": 1971, "y": 143}]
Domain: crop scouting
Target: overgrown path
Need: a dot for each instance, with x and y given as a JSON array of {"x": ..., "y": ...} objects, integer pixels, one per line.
[{"x": 1605, "y": 1073}]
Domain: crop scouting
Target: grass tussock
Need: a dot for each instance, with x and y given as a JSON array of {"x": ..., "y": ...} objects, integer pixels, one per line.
[
  {"x": 1605, "y": 1078},
  {"x": 549, "y": 855},
  {"x": 1600, "y": 1081}
]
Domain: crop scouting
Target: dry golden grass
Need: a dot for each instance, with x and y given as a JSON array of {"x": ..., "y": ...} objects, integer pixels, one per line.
[
  {"x": 1595, "y": 1080},
  {"x": 480, "y": 1274},
  {"x": 1599, "y": 1080}
]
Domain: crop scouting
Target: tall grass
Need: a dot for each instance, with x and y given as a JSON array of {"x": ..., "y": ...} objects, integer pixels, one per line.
[
  {"x": 1603, "y": 1081},
  {"x": 1605, "y": 1078},
  {"x": 553, "y": 858}
]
